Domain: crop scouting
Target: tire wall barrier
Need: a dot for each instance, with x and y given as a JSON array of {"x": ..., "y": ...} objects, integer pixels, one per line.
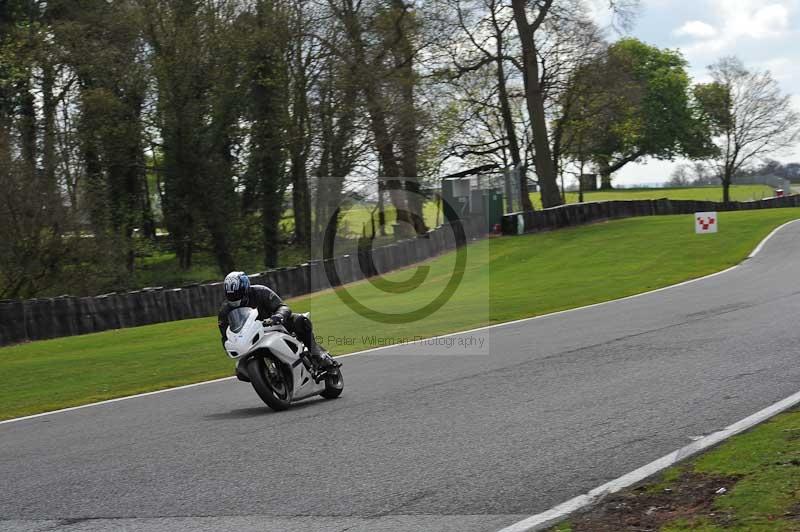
[
  {"x": 584, "y": 213},
  {"x": 38, "y": 319}
]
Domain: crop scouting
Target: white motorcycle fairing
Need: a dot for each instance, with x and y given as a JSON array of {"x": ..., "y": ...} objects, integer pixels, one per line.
[{"x": 253, "y": 338}]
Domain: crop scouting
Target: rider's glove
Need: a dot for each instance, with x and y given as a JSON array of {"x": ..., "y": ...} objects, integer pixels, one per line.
[{"x": 277, "y": 319}]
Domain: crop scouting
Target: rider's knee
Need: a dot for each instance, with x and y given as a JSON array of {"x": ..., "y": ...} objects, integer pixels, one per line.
[{"x": 302, "y": 323}]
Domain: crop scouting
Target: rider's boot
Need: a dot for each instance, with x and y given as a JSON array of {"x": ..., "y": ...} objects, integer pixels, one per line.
[{"x": 322, "y": 359}]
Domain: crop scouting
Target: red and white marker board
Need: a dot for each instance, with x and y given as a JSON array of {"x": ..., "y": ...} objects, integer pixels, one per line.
[{"x": 705, "y": 222}]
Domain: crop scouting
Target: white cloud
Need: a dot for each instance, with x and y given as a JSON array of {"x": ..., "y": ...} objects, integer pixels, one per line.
[
  {"x": 737, "y": 20},
  {"x": 697, "y": 29},
  {"x": 763, "y": 33},
  {"x": 752, "y": 18},
  {"x": 707, "y": 47}
]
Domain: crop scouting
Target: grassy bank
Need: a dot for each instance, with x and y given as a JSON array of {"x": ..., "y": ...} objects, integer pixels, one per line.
[
  {"x": 750, "y": 483},
  {"x": 159, "y": 267},
  {"x": 504, "y": 279},
  {"x": 738, "y": 193}
]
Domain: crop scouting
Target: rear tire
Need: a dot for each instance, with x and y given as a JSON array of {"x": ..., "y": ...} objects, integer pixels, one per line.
[
  {"x": 271, "y": 386},
  {"x": 334, "y": 384}
]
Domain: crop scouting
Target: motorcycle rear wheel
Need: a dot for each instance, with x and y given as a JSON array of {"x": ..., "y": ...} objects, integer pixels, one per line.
[{"x": 269, "y": 383}]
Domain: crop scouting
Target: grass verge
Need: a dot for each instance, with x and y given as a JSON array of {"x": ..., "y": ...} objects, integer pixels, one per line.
[
  {"x": 505, "y": 279},
  {"x": 750, "y": 483}
]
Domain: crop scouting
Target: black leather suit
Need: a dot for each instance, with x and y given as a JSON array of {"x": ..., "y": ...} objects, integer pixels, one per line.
[{"x": 268, "y": 303}]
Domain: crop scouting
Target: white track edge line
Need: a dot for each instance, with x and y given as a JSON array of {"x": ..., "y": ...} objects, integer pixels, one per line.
[
  {"x": 486, "y": 327},
  {"x": 765, "y": 239},
  {"x": 107, "y": 401},
  {"x": 552, "y": 516}
]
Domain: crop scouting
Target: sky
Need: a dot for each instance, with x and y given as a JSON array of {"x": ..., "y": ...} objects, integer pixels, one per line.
[{"x": 765, "y": 35}]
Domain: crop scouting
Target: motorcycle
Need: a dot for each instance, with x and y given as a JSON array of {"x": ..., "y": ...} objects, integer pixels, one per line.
[{"x": 275, "y": 362}]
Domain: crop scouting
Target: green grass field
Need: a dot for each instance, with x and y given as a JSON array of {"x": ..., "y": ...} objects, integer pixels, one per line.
[
  {"x": 505, "y": 279},
  {"x": 353, "y": 220},
  {"x": 760, "y": 471},
  {"x": 738, "y": 193},
  {"x": 159, "y": 268}
]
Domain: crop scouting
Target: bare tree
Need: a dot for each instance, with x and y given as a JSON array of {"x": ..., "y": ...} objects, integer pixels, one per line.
[
  {"x": 532, "y": 18},
  {"x": 751, "y": 117},
  {"x": 534, "y": 96},
  {"x": 680, "y": 176},
  {"x": 482, "y": 41}
]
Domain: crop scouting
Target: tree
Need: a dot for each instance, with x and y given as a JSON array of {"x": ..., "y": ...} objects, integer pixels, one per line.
[
  {"x": 198, "y": 67},
  {"x": 269, "y": 115},
  {"x": 406, "y": 25},
  {"x": 647, "y": 110},
  {"x": 680, "y": 177},
  {"x": 534, "y": 97},
  {"x": 380, "y": 52},
  {"x": 103, "y": 46},
  {"x": 771, "y": 167},
  {"x": 578, "y": 101},
  {"x": 571, "y": 46},
  {"x": 750, "y": 116},
  {"x": 482, "y": 42},
  {"x": 303, "y": 56},
  {"x": 557, "y": 15},
  {"x": 32, "y": 216}
]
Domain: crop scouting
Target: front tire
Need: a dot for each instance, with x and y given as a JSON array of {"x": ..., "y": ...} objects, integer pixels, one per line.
[
  {"x": 334, "y": 384},
  {"x": 269, "y": 381}
]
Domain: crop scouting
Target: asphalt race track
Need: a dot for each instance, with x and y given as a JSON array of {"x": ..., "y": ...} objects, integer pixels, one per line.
[{"x": 423, "y": 439}]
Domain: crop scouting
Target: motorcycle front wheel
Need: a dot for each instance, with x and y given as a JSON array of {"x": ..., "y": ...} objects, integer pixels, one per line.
[
  {"x": 269, "y": 381},
  {"x": 334, "y": 384}
]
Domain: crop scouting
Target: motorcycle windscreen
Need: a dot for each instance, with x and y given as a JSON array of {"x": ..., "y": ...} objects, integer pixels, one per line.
[{"x": 238, "y": 317}]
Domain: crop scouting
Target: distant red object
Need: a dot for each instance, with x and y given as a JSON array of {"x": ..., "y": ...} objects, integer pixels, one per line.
[
  {"x": 778, "y": 192},
  {"x": 496, "y": 229}
]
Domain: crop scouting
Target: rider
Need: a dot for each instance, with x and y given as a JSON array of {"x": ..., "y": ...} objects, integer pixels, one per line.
[{"x": 239, "y": 292}]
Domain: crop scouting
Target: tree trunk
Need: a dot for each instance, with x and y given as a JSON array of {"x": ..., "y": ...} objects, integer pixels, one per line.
[
  {"x": 49, "y": 128},
  {"x": 6, "y": 108},
  {"x": 407, "y": 121},
  {"x": 726, "y": 186},
  {"x": 388, "y": 160},
  {"x": 604, "y": 169},
  {"x": 337, "y": 115},
  {"x": 148, "y": 220},
  {"x": 301, "y": 204},
  {"x": 376, "y": 109},
  {"x": 5, "y": 144},
  {"x": 381, "y": 210},
  {"x": 186, "y": 246},
  {"x": 219, "y": 208},
  {"x": 28, "y": 128},
  {"x": 511, "y": 131},
  {"x": 95, "y": 196},
  {"x": 271, "y": 210},
  {"x": 299, "y": 147},
  {"x": 301, "y": 201},
  {"x": 534, "y": 98}
]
